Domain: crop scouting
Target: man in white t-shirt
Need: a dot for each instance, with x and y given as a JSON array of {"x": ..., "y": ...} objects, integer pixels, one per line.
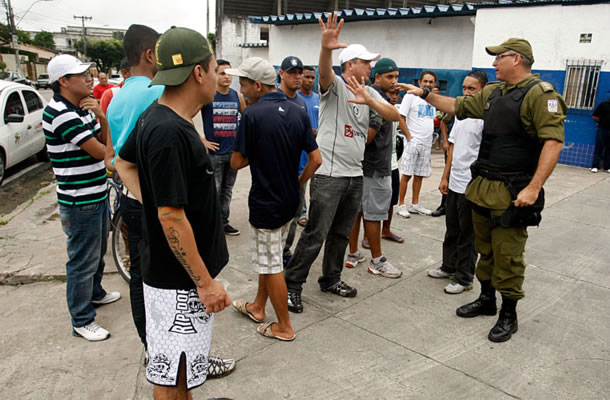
[
  {"x": 346, "y": 106},
  {"x": 459, "y": 256},
  {"x": 417, "y": 124}
]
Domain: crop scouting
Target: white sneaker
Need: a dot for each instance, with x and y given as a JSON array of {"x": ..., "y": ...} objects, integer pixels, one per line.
[
  {"x": 352, "y": 260},
  {"x": 92, "y": 332},
  {"x": 439, "y": 274},
  {"x": 417, "y": 209},
  {"x": 456, "y": 288},
  {"x": 594, "y": 170},
  {"x": 403, "y": 212},
  {"x": 110, "y": 297},
  {"x": 385, "y": 269}
]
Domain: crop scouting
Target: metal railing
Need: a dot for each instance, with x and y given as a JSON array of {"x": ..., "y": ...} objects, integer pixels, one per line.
[{"x": 581, "y": 82}]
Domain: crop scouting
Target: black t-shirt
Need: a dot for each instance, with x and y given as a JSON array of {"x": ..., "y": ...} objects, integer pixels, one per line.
[
  {"x": 378, "y": 153},
  {"x": 175, "y": 170},
  {"x": 271, "y": 134},
  {"x": 603, "y": 113}
]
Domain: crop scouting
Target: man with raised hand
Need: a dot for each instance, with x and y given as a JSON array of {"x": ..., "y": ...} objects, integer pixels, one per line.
[{"x": 336, "y": 188}]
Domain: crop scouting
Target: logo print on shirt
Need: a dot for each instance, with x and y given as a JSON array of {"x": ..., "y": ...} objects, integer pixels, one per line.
[
  {"x": 349, "y": 131},
  {"x": 280, "y": 109},
  {"x": 356, "y": 110},
  {"x": 424, "y": 111}
]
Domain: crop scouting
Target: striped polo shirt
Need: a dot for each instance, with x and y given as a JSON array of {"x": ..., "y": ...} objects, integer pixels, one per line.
[{"x": 81, "y": 179}]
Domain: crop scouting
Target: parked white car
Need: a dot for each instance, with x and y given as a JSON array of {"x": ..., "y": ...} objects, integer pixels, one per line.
[{"x": 21, "y": 134}]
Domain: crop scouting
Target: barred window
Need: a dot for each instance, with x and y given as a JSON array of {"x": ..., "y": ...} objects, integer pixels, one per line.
[{"x": 580, "y": 86}]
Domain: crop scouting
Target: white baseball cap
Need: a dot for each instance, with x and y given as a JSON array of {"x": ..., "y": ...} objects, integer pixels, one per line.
[
  {"x": 66, "y": 64},
  {"x": 357, "y": 51},
  {"x": 257, "y": 69}
]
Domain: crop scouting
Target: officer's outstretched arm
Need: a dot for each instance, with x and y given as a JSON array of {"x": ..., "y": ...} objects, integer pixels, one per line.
[
  {"x": 548, "y": 159},
  {"x": 442, "y": 103}
]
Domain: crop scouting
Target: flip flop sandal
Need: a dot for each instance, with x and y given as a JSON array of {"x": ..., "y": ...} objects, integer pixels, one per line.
[
  {"x": 302, "y": 222},
  {"x": 265, "y": 330},
  {"x": 393, "y": 238},
  {"x": 240, "y": 306}
]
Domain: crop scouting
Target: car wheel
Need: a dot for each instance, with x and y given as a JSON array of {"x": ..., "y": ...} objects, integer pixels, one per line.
[
  {"x": 2, "y": 165},
  {"x": 42, "y": 155}
]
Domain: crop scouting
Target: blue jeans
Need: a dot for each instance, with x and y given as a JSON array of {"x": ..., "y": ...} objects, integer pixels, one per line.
[
  {"x": 87, "y": 230},
  {"x": 333, "y": 206},
  {"x": 225, "y": 180}
]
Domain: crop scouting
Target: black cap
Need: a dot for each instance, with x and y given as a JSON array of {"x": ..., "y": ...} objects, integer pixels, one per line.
[{"x": 291, "y": 62}]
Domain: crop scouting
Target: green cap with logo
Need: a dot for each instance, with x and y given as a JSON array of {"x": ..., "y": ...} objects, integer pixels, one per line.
[
  {"x": 385, "y": 65},
  {"x": 178, "y": 50},
  {"x": 521, "y": 46}
]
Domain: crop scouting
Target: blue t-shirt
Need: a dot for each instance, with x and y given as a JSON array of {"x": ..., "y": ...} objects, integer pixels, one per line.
[
  {"x": 313, "y": 107},
  {"x": 272, "y": 134},
  {"x": 220, "y": 120},
  {"x": 301, "y": 102},
  {"x": 126, "y": 107}
]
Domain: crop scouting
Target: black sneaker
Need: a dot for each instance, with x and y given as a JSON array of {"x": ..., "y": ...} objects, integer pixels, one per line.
[
  {"x": 295, "y": 304},
  {"x": 342, "y": 289},
  {"x": 218, "y": 367},
  {"x": 229, "y": 230}
]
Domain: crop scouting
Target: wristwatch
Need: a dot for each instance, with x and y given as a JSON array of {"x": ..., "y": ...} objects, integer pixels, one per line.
[{"x": 426, "y": 92}]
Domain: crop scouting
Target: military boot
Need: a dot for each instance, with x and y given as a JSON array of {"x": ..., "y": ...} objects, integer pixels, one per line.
[
  {"x": 484, "y": 305},
  {"x": 507, "y": 322}
]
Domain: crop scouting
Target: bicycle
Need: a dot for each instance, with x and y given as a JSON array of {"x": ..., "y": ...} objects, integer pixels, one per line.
[{"x": 118, "y": 237}]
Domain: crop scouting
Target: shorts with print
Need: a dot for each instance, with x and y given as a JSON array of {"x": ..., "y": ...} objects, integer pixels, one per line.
[
  {"x": 267, "y": 249},
  {"x": 416, "y": 160},
  {"x": 176, "y": 324},
  {"x": 376, "y": 196}
]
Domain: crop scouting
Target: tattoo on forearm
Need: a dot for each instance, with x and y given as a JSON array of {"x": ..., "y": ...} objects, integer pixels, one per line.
[
  {"x": 173, "y": 238},
  {"x": 167, "y": 214}
]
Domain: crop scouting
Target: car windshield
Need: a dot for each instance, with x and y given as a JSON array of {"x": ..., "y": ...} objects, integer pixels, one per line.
[
  {"x": 43, "y": 76},
  {"x": 5, "y": 75}
]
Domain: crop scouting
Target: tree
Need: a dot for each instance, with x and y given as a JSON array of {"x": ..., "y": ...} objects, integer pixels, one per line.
[
  {"x": 44, "y": 39},
  {"x": 23, "y": 36},
  {"x": 2, "y": 66},
  {"x": 212, "y": 40},
  {"x": 105, "y": 53}
]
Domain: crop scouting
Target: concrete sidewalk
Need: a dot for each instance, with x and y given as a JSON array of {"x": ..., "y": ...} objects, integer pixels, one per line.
[{"x": 397, "y": 339}]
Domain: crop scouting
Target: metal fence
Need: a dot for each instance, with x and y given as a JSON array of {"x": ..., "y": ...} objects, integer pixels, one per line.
[{"x": 582, "y": 80}]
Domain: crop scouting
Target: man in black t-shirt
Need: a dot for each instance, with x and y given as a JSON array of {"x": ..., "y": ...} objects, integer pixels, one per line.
[
  {"x": 602, "y": 141},
  {"x": 184, "y": 246}
]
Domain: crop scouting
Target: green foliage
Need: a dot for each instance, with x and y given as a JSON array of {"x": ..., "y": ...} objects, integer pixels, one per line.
[
  {"x": 24, "y": 37},
  {"x": 212, "y": 40},
  {"x": 105, "y": 53},
  {"x": 44, "y": 39},
  {"x": 2, "y": 66}
]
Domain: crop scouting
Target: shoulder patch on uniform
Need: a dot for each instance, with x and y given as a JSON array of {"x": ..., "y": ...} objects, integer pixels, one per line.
[
  {"x": 552, "y": 105},
  {"x": 547, "y": 87}
]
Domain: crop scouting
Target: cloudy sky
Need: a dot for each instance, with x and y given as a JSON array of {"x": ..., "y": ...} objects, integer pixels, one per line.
[{"x": 158, "y": 14}]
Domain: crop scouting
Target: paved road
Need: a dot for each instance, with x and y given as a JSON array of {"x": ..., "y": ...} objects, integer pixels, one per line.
[{"x": 398, "y": 339}]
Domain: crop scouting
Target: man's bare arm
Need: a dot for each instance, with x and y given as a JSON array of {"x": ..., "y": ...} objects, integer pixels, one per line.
[
  {"x": 444, "y": 185},
  {"x": 314, "y": 161},
  {"x": 330, "y": 42},
  {"x": 129, "y": 175},
  {"x": 109, "y": 155},
  {"x": 181, "y": 240},
  {"x": 385, "y": 109},
  {"x": 546, "y": 163},
  {"x": 402, "y": 123},
  {"x": 442, "y": 103},
  {"x": 238, "y": 161}
]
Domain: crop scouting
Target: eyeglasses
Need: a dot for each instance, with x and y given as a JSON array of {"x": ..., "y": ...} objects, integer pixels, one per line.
[
  {"x": 501, "y": 56},
  {"x": 85, "y": 75}
]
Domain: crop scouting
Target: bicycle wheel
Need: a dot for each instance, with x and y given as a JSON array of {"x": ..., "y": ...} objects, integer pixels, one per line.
[{"x": 120, "y": 247}]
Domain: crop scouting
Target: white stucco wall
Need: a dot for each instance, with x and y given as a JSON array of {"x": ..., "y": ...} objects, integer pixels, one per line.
[
  {"x": 233, "y": 32},
  {"x": 446, "y": 43},
  {"x": 553, "y": 32}
]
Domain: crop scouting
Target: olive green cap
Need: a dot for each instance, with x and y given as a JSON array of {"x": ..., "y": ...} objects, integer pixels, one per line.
[
  {"x": 521, "y": 46},
  {"x": 385, "y": 65},
  {"x": 178, "y": 50}
]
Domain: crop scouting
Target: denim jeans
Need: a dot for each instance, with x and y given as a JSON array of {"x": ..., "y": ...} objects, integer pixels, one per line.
[
  {"x": 87, "y": 229},
  {"x": 292, "y": 230},
  {"x": 132, "y": 213},
  {"x": 333, "y": 206},
  {"x": 225, "y": 180}
]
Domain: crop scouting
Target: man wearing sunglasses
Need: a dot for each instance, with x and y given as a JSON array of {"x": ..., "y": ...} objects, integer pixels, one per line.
[{"x": 522, "y": 138}]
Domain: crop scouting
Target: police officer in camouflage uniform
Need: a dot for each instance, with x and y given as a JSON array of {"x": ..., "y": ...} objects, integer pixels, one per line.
[{"x": 521, "y": 142}]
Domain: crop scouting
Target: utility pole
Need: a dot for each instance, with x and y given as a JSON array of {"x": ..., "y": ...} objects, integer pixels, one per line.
[
  {"x": 14, "y": 36},
  {"x": 83, "y": 18}
]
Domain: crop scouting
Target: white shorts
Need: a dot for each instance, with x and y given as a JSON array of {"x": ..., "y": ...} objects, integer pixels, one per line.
[
  {"x": 416, "y": 160},
  {"x": 176, "y": 324},
  {"x": 267, "y": 249}
]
